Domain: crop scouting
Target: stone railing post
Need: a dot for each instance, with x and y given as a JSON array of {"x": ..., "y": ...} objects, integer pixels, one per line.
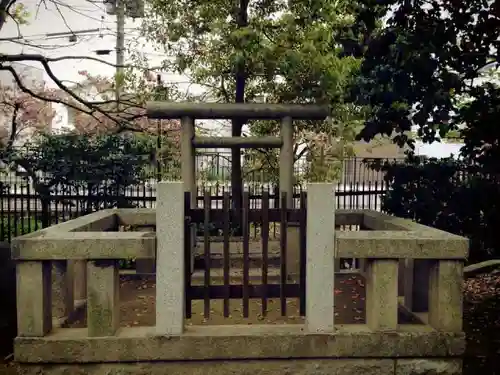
[
  {"x": 382, "y": 294},
  {"x": 445, "y": 295},
  {"x": 103, "y": 305},
  {"x": 34, "y": 302},
  {"x": 170, "y": 288},
  {"x": 62, "y": 290},
  {"x": 80, "y": 281},
  {"x": 320, "y": 271},
  {"x": 415, "y": 279}
]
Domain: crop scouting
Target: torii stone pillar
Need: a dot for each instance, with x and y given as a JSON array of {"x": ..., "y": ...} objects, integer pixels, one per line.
[{"x": 286, "y": 186}]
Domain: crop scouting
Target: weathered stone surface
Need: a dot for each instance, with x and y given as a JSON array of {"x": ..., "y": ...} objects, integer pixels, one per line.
[
  {"x": 446, "y": 296},
  {"x": 320, "y": 271},
  {"x": 170, "y": 257},
  {"x": 62, "y": 289},
  {"x": 86, "y": 245},
  {"x": 286, "y": 367},
  {"x": 234, "y": 342},
  {"x": 416, "y": 284},
  {"x": 382, "y": 294},
  {"x": 145, "y": 265},
  {"x": 34, "y": 303},
  {"x": 103, "y": 309},
  {"x": 487, "y": 266},
  {"x": 398, "y": 244},
  {"x": 428, "y": 367},
  {"x": 80, "y": 280}
]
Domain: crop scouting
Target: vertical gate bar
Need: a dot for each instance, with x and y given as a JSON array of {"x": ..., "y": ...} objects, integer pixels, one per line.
[
  {"x": 187, "y": 252},
  {"x": 206, "y": 252},
  {"x": 303, "y": 252},
  {"x": 286, "y": 160},
  {"x": 283, "y": 242},
  {"x": 246, "y": 256},
  {"x": 188, "y": 158},
  {"x": 225, "y": 206},
  {"x": 265, "y": 249}
]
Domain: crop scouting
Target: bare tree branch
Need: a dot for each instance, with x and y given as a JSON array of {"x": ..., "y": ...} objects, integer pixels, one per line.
[
  {"x": 13, "y": 127},
  {"x": 62, "y": 16},
  {"x": 46, "y": 60},
  {"x": 121, "y": 118},
  {"x": 5, "y": 6}
]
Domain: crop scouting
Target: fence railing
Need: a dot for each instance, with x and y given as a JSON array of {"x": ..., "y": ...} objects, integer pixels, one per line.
[{"x": 22, "y": 210}]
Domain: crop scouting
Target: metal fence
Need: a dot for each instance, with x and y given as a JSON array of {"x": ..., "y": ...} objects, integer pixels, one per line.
[{"x": 22, "y": 210}]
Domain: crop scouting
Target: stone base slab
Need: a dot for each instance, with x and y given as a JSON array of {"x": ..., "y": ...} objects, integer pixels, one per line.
[
  {"x": 238, "y": 342},
  {"x": 256, "y": 367}
]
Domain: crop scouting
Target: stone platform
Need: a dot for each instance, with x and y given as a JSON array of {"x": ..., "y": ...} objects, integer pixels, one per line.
[{"x": 240, "y": 349}]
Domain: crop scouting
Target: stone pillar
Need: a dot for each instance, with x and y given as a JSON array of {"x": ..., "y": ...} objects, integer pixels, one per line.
[
  {"x": 145, "y": 265},
  {"x": 293, "y": 250},
  {"x": 401, "y": 277},
  {"x": 286, "y": 160},
  {"x": 80, "y": 280},
  {"x": 34, "y": 305},
  {"x": 286, "y": 186},
  {"x": 382, "y": 294},
  {"x": 416, "y": 284},
  {"x": 445, "y": 295},
  {"x": 188, "y": 171},
  {"x": 320, "y": 257},
  {"x": 103, "y": 305},
  {"x": 170, "y": 273},
  {"x": 62, "y": 289}
]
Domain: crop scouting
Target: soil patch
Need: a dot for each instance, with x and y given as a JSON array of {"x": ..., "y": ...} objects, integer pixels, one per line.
[
  {"x": 137, "y": 306},
  {"x": 482, "y": 324}
]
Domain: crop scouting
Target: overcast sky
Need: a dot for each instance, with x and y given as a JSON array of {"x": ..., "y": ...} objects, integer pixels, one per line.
[{"x": 76, "y": 15}]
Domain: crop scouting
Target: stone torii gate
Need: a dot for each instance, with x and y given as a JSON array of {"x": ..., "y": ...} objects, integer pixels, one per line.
[{"x": 286, "y": 113}]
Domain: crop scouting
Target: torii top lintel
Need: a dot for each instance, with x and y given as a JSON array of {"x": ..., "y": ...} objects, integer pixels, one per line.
[{"x": 250, "y": 111}]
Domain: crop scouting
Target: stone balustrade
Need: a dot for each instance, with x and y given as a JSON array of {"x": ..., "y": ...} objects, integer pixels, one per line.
[{"x": 391, "y": 249}]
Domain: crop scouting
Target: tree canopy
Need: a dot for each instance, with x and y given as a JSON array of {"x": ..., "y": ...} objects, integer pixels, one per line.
[
  {"x": 277, "y": 51},
  {"x": 418, "y": 69}
]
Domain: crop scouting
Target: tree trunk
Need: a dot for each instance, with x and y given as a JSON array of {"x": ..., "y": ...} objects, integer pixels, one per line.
[
  {"x": 236, "y": 126},
  {"x": 45, "y": 211}
]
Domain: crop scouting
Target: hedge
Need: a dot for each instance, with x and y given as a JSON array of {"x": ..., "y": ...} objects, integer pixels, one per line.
[{"x": 448, "y": 195}]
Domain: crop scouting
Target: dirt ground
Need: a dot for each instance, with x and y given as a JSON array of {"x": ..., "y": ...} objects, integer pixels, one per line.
[{"x": 137, "y": 305}]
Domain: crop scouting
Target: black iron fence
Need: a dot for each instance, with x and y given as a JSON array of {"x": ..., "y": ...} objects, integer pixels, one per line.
[{"x": 24, "y": 210}]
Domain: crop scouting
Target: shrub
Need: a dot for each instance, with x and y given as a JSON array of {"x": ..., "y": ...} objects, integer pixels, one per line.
[
  {"x": 448, "y": 195},
  {"x": 13, "y": 226}
]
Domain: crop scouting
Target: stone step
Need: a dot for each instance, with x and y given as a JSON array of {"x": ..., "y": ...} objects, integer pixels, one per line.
[
  {"x": 217, "y": 275},
  {"x": 236, "y": 261},
  {"x": 236, "y": 275}
]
